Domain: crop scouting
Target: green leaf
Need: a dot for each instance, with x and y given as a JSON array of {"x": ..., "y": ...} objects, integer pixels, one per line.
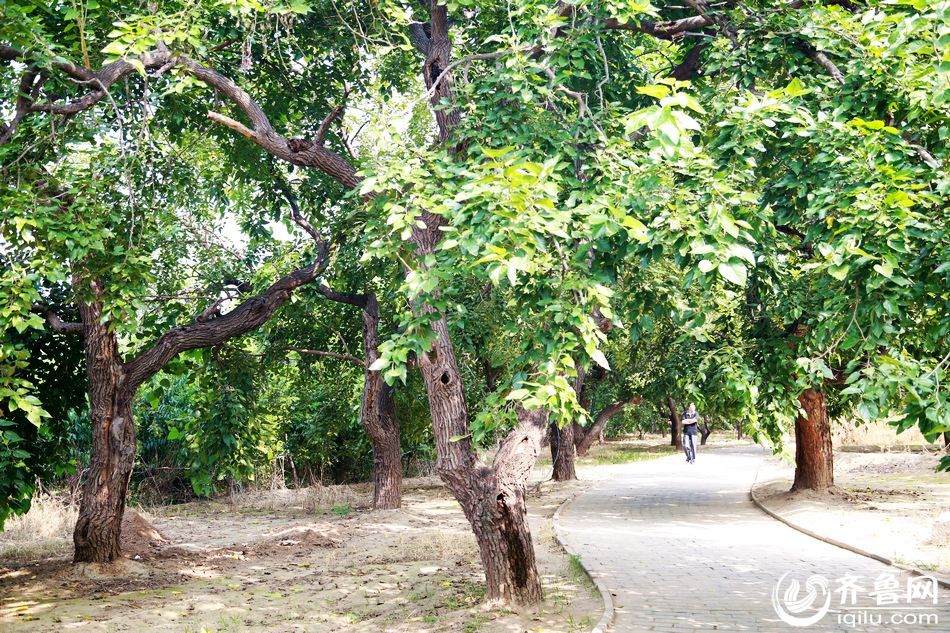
[
  {"x": 733, "y": 271},
  {"x": 657, "y": 91}
]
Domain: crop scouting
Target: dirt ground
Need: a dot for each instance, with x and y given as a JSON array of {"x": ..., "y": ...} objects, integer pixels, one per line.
[
  {"x": 883, "y": 502},
  {"x": 287, "y": 561}
]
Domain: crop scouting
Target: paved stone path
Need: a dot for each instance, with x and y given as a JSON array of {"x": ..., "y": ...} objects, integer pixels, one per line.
[{"x": 681, "y": 547}]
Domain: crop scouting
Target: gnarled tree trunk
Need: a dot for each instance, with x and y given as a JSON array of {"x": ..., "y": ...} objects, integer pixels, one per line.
[
  {"x": 378, "y": 416},
  {"x": 96, "y": 536},
  {"x": 492, "y": 497},
  {"x": 596, "y": 430},
  {"x": 562, "y": 452},
  {"x": 814, "y": 459},
  {"x": 112, "y": 387},
  {"x": 676, "y": 425},
  {"x": 496, "y": 509}
]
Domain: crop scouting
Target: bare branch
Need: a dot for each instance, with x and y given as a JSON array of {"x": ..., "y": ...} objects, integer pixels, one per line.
[
  {"x": 325, "y": 125},
  {"x": 317, "y": 352},
  {"x": 57, "y": 323},
  {"x": 822, "y": 60}
]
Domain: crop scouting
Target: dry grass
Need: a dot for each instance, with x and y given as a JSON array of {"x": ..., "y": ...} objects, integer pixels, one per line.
[
  {"x": 44, "y": 531},
  {"x": 318, "y": 498},
  {"x": 879, "y": 433}
]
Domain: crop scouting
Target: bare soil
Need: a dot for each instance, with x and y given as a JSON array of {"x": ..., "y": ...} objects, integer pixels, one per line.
[
  {"x": 883, "y": 502},
  {"x": 274, "y": 561}
]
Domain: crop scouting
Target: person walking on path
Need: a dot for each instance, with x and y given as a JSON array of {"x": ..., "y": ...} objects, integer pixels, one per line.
[{"x": 690, "y": 423}]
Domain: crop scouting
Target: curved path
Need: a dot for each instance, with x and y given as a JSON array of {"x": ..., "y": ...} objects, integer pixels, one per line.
[{"x": 681, "y": 547}]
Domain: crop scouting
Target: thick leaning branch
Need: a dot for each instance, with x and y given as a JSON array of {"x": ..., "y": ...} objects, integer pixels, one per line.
[
  {"x": 248, "y": 316},
  {"x": 301, "y": 152},
  {"x": 600, "y": 422},
  {"x": 56, "y": 322}
]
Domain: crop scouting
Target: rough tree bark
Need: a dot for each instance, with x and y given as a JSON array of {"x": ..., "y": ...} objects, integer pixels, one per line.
[
  {"x": 98, "y": 528},
  {"x": 562, "y": 452},
  {"x": 814, "y": 459},
  {"x": 563, "y": 441},
  {"x": 492, "y": 496},
  {"x": 378, "y": 416},
  {"x": 676, "y": 425},
  {"x": 378, "y": 408}
]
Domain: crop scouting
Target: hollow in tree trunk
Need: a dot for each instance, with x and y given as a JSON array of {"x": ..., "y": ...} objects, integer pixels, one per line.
[
  {"x": 500, "y": 523},
  {"x": 492, "y": 497},
  {"x": 814, "y": 459},
  {"x": 562, "y": 452},
  {"x": 676, "y": 426}
]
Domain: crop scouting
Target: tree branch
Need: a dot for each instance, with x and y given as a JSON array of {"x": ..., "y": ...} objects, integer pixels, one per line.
[
  {"x": 316, "y": 352},
  {"x": 249, "y": 315},
  {"x": 600, "y": 421},
  {"x": 295, "y": 151},
  {"x": 55, "y": 322}
]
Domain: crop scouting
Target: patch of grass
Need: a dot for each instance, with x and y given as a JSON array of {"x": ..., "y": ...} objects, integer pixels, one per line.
[
  {"x": 584, "y": 624},
  {"x": 623, "y": 454},
  {"x": 44, "y": 531},
  {"x": 575, "y": 568},
  {"x": 342, "y": 510},
  {"x": 474, "y": 623}
]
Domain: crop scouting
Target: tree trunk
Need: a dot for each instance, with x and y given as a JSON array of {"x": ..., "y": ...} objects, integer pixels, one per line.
[
  {"x": 704, "y": 432},
  {"x": 98, "y": 529},
  {"x": 563, "y": 442},
  {"x": 494, "y": 503},
  {"x": 500, "y": 523},
  {"x": 113, "y": 383},
  {"x": 378, "y": 416},
  {"x": 562, "y": 452},
  {"x": 676, "y": 426},
  {"x": 596, "y": 429},
  {"x": 738, "y": 430},
  {"x": 492, "y": 497},
  {"x": 814, "y": 460}
]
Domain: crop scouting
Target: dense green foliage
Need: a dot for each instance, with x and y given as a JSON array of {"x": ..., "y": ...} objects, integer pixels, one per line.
[{"x": 777, "y": 222}]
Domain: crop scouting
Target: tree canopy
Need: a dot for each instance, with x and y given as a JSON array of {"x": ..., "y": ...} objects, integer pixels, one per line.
[{"x": 724, "y": 202}]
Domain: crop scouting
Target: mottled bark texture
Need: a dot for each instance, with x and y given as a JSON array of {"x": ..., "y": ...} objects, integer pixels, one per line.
[
  {"x": 96, "y": 536},
  {"x": 814, "y": 459}
]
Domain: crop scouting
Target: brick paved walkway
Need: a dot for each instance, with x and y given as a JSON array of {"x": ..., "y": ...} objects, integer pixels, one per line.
[{"x": 681, "y": 547}]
